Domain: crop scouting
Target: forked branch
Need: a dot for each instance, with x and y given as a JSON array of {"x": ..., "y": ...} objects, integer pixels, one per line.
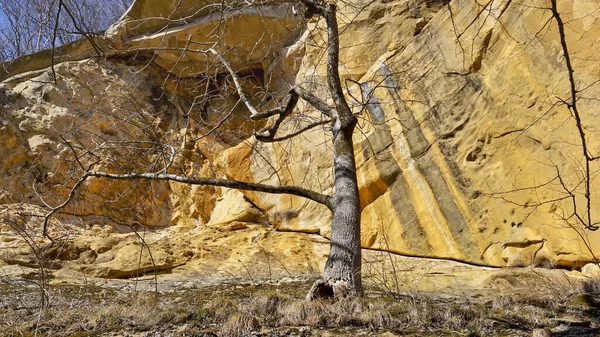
[
  {"x": 286, "y": 110},
  {"x": 97, "y": 49}
]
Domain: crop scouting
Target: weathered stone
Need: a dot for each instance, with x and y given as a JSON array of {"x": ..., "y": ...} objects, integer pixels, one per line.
[
  {"x": 131, "y": 260},
  {"x": 61, "y": 250},
  {"x": 233, "y": 207},
  {"x": 102, "y": 245},
  {"x": 465, "y": 161},
  {"x": 591, "y": 270},
  {"x": 458, "y": 150}
]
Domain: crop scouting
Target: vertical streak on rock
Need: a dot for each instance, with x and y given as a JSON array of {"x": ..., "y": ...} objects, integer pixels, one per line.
[
  {"x": 430, "y": 200},
  {"x": 415, "y": 240},
  {"x": 372, "y": 103},
  {"x": 415, "y": 151}
]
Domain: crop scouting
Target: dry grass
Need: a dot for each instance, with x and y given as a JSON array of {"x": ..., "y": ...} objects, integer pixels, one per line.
[
  {"x": 227, "y": 311},
  {"x": 239, "y": 324},
  {"x": 591, "y": 285}
]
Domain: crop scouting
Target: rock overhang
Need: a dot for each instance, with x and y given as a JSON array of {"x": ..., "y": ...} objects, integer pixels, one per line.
[{"x": 247, "y": 35}]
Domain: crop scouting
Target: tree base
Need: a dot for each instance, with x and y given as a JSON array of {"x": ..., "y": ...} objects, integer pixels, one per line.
[
  {"x": 319, "y": 291},
  {"x": 324, "y": 290}
]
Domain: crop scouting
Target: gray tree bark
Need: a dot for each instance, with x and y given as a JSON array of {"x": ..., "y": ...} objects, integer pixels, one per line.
[
  {"x": 342, "y": 275},
  {"x": 343, "y": 267}
]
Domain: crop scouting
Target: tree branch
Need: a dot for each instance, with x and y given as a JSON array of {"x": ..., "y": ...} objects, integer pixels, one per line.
[
  {"x": 315, "y": 101},
  {"x": 63, "y": 205},
  {"x": 304, "y": 129},
  {"x": 236, "y": 81},
  {"x": 572, "y": 106},
  {"x": 314, "y": 8},
  {"x": 290, "y": 104},
  {"x": 97, "y": 49},
  {"x": 285, "y": 111},
  {"x": 227, "y": 183},
  {"x": 54, "y": 43}
]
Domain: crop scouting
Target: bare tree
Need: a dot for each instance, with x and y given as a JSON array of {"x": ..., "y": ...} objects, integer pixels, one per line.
[
  {"x": 583, "y": 214},
  {"x": 342, "y": 275}
]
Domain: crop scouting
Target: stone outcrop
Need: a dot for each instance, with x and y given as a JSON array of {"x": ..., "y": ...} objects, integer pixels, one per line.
[{"x": 464, "y": 149}]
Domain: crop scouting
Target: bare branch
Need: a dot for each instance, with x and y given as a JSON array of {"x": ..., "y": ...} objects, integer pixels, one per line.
[
  {"x": 228, "y": 183},
  {"x": 314, "y": 8},
  {"x": 315, "y": 101},
  {"x": 236, "y": 81},
  {"x": 572, "y": 106},
  {"x": 62, "y": 205},
  {"x": 290, "y": 103},
  {"x": 87, "y": 36},
  {"x": 304, "y": 129},
  {"x": 54, "y": 42},
  {"x": 285, "y": 111}
]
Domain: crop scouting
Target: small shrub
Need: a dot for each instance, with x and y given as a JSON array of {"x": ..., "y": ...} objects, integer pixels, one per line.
[
  {"x": 591, "y": 285},
  {"x": 221, "y": 307},
  {"x": 239, "y": 324},
  {"x": 518, "y": 262},
  {"x": 201, "y": 315},
  {"x": 501, "y": 302},
  {"x": 544, "y": 262},
  {"x": 266, "y": 308},
  {"x": 378, "y": 315},
  {"x": 348, "y": 312},
  {"x": 311, "y": 313}
]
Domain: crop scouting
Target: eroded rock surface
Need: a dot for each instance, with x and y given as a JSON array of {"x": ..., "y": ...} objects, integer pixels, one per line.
[{"x": 464, "y": 150}]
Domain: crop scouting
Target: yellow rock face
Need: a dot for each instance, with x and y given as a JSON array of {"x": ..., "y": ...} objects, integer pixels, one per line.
[
  {"x": 464, "y": 134},
  {"x": 465, "y": 150}
]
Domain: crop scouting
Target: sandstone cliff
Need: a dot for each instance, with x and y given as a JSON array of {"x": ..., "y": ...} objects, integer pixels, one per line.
[{"x": 465, "y": 150}]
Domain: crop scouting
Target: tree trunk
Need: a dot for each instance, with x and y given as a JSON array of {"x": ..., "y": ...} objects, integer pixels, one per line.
[
  {"x": 342, "y": 276},
  {"x": 343, "y": 267}
]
